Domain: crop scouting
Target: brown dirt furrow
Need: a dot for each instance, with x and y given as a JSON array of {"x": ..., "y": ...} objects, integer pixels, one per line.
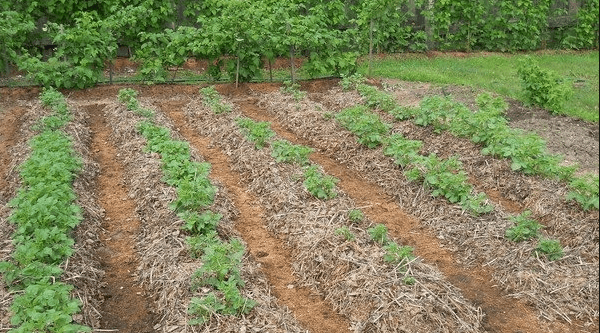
[
  {"x": 310, "y": 310},
  {"x": 503, "y": 314},
  {"x": 10, "y": 123},
  {"x": 126, "y": 306}
]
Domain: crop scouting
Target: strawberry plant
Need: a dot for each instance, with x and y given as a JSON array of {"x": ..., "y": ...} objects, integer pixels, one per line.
[
  {"x": 319, "y": 185},
  {"x": 257, "y": 132}
]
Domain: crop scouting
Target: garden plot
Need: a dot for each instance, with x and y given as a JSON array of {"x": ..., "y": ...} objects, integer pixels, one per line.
[
  {"x": 477, "y": 240},
  {"x": 306, "y": 254}
]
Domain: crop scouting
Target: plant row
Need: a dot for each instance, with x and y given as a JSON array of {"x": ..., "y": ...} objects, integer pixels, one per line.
[
  {"x": 44, "y": 213},
  {"x": 319, "y": 185},
  {"x": 221, "y": 260},
  {"x": 489, "y": 128},
  {"x": 444, "y": 176}
]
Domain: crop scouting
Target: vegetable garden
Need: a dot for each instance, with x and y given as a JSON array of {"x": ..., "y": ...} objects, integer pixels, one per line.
[{"x": 335, "y": 205}]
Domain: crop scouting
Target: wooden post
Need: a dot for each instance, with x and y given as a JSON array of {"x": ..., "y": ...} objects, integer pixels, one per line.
[
  {"x": 292, "y": 63},
  {"x": 237, "y": 72}
]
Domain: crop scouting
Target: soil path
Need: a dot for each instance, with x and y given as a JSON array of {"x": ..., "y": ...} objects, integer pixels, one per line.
[
  {"x": 309, "y": 309},
  {"x": 503, "y": 314},
  {"x": 10, "y": 122},
  {"x": 126, "y": 308}
]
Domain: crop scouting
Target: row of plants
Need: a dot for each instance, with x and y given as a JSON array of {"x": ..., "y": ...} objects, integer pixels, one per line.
[
  {"x": 221, "y": 260},
  {"x": 444, "y": 177},
  {"x": 321, "y": 186},
  {"x": 489, "y": 128},
  {"x": 44, "y": 213},
  {"x": 238, "y": 36}
]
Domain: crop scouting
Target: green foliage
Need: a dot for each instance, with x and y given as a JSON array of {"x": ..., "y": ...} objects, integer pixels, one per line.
[
  {"x": 293, "y": 89},
  {"x": 398, "y": 255},
  {"x": 285, "y": 151},
  {"x": 524, "y": 229},
  {"x": 378, "y": 234},
  {"x": 584, "y": 190},
  {"x": 346, "y": 233},
  {"x": 402, "y": 150},
  {"x": 128, "y": 97},
  {"x": 46, "y": 308},
  {"x": 213, "y": 100},
  {"x": 584, "y": 35},
  {"x": 445, "y": 177},
  {"x": 542, "y": 87},
  {"x": 356, "y": 216},
  {"x": 438, "y": 112},
  {"x": 200, "y": 224},
  {"x": 551, "y": 248},
  {"x": 349, "y": 82},
  {"x": 366, "y": 125},
  {"x": 319, "y": 185},
  {"x": 14, "y": 29},
  {"x": 257, "y": 132},
  {"x": 375, "y": 98},
  {"x": 78, "y": 61}
]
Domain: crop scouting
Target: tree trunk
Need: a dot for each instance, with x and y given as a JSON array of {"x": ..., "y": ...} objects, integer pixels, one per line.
[
  {"x": 370, "y": 48},
  {"x": 292, "y": 59}
]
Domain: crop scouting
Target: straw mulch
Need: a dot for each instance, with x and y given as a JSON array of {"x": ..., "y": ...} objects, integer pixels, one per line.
[
  {"x": 566, "y": 289},
  {"x": 165, "y": 267},
  {"x": 351, "y": 275}
]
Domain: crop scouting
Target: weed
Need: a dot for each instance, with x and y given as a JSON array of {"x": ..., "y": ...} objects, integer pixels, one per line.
[
  {"x": 319, "y": 185},
  {"x": 543, "y": 87},
  {"x": 524, "y": 229},
  {"x": 257, "y": 132},
  {"x": 346, "y": 233},
  {"x": 378, "y": 233},
  {"x": 551, "y": 248},
  {"x": 284, "y": 151}
]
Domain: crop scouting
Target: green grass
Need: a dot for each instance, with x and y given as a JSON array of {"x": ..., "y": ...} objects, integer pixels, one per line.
[{"x": 498, "y": 73}]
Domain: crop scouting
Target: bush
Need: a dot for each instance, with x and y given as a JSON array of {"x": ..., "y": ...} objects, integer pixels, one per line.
[{"x": 542, "y": 87}]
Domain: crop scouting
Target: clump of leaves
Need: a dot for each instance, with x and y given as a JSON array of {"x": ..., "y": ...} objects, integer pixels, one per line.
[
  {"x": 356, "y": 216},
  {"x": 293, "y": 89},
  {"x": 319, "y": 185},
  {"x": 374, "y": 98},
  {"x": 346, "y": 233},
  {"x": 402, "y": 150},
  {"x": 444, "y": 176},
  {"x": 584, "y": 190},
  {"x": 213, "y": 100},
  {"x": 257, "y": 132},
  {"x": 128, "y": 97},
  {"x": 378, "y": 234},
  {"x": 351, "y": 81},
  {"x": 525, "y": 228},
  {"x": 551, "y": 248},
  {"x": 366, "y": 125},
  {"x": 285, "y": 151},
  {"x": 396, "y": 254},
  {"x": 199, "y": 224},
  {"x": 543, "y": 87}
]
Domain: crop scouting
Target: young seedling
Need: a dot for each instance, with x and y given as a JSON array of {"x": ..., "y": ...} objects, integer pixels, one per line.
[
  {"x": 551, "y": 248},
  {"x": 524, "y": 229},
  {"x": 346, "y": 233},
  {"x": 378, "y": 234},
  {"x": 356, "y": 216},
  {"x": 284, "y": 151},
  {"x": 319, "y": 185},
  {"x": 257, "y": 132}
]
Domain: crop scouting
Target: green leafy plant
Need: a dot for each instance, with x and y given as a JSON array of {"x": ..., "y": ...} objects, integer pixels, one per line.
[
  {"x": 356, "y": 216},
  {"x": 213, "y": 100},
  {"x": 284, "y": 151},
  {"x": 293, "y": 89},
  {"x": 396, "y": 254},
  {"x": 346, "y": 233},
  {"x": 366, "y": 125},
  {"x": 524, "y": 229},
  {"x": 551, "y": 248},
  {"x": 319, "y": 185},
  {"x": 543, "y": 87},
  {"x": 200, "y": 224},
  {"x": 584, "y": 190},
  {"x": 378, "y": 234},
  {"x": 349, "y": 82},
  {"x": 257, "y": 132},
  {"x": 402, "y": 150}
]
